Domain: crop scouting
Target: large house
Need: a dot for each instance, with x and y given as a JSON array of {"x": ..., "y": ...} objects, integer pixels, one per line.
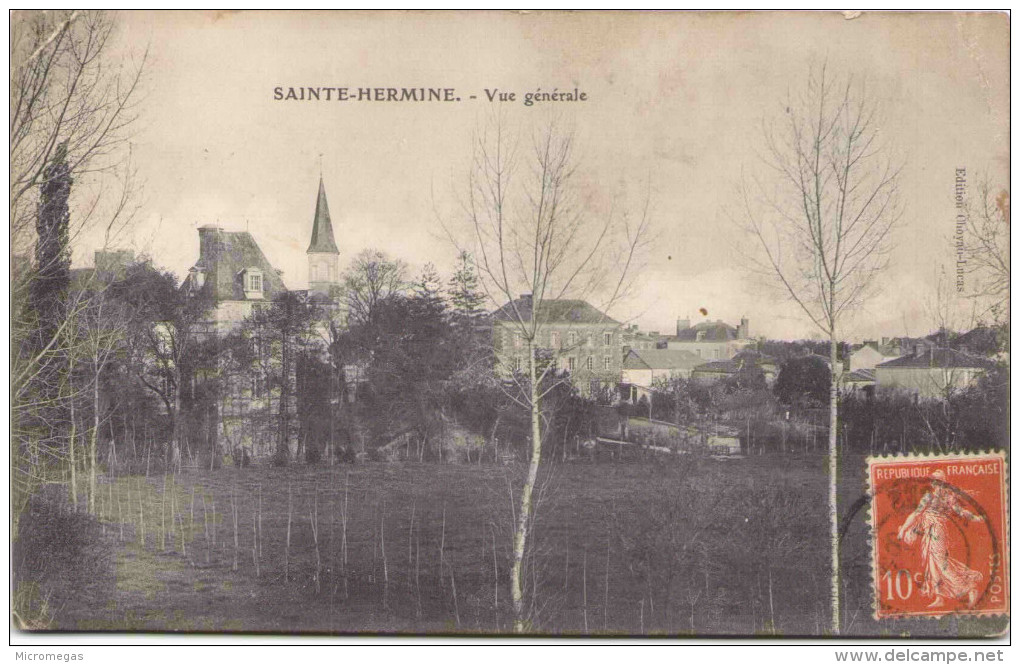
[
  {"x": 234, "y": 273},
  {"x": 578, "y": 338},
  {"x": 237, "y": 277},
  {"x": 931, "y": 372},
  {"x": 711, "y": 340}
]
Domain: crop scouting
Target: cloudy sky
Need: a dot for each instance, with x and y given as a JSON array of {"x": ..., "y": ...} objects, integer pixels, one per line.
[{"x": 674, "y": 100}]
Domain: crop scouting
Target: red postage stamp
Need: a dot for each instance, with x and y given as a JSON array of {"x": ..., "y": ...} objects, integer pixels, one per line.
[{"x": 939, "y": 534}]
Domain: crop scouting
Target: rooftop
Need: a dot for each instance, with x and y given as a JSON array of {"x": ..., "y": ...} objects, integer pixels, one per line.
[
  {"x": 553, "y": 311},
  {"x": 860, "y": 376},
  {"x": 660, "y": 359},
  {"x": 714, "y": 331},
  {"x": 941, "y": 358},
  {"x": 223, "y": 257}
]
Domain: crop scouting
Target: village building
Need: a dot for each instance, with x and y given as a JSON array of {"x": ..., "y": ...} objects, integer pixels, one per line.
[
  {"x": 931, "y": 372},
  {"x": 710, "y": 340},
  {"x": 744, "y": 360},
  {"x": 644, "y": 369},
  {"x": 642, "y": 341},
  {"x": 859, "y": 379},
  {"x": 984, "y": 341},
  {"x": 581, "y": 341},
  {"x": 870, "y": 354},
  {"x": 235, "y": 275}
]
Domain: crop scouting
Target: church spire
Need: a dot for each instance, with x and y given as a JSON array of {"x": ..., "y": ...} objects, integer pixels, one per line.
[{"x": 322, "y": 227}]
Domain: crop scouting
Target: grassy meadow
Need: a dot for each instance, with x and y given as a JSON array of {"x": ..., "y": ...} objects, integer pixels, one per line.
[{"x": 669, "y": 546}]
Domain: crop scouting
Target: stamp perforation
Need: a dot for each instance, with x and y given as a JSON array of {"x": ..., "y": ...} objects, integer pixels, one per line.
[{"x": 1002, "y": 514}]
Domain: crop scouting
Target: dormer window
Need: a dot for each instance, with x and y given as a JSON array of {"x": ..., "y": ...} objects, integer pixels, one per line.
[
  {"x": 197, "y": 277},
  {"x": 253, "y": 284}
]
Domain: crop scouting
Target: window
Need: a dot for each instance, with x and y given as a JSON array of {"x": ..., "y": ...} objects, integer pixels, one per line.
[
  {"x": 254, "y": 282},
  {"x": 700, "y": 336},
  {"x": 606, "y": 362},
  {"x": 554, "y": 340},
  {"x": 571, "y": 363},
  {"x": 590, "y": 363},
  {"x": 607, "y": 339},
  {"x": 588, "y": 342},
  {"x": 517, "y": 340},
  {"x": 517, "y": 363},
  {"x": 572, "y": 338}
]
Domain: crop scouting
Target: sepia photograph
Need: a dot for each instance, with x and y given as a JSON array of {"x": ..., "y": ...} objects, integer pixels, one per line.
[{"x": 651, "y": 325}]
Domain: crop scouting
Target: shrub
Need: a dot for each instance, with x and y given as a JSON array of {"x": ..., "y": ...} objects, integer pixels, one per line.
[{"x": 57, "y": 552}]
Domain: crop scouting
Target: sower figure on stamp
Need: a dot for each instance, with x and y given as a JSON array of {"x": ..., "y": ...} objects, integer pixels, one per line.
[{"x": 944, "y": 576}]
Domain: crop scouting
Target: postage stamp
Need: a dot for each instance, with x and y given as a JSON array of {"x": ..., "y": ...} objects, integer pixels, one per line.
[{"x": 939, "y": 534}]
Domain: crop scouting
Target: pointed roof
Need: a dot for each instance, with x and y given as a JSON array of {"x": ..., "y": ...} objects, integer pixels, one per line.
[{"x": 322, "y": 227}]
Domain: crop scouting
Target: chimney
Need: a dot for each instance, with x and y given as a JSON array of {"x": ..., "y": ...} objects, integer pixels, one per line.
[
  {"x": 208, "y": 243},
  {"x": 682, "y": 324},
  {"x": 744, "y": 331},
  {"x": 526, "y": 299},
  {"x": 113, "y": 261},
  {"x": 885, "y": 341}
]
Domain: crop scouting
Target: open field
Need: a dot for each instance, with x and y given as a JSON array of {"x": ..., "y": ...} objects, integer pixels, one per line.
[{"x": 672, "y": 546}]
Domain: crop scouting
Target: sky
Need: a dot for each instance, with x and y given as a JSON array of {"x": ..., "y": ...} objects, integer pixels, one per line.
[{"x": 674, "y": 102}]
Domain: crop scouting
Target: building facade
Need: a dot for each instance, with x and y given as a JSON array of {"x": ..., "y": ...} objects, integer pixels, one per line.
[
  {"x": 643, "y": 369},
  {"x": 710, "y": 340},
  {"x": 931, "y": 372},
  {"x": 578, "y": 339}
]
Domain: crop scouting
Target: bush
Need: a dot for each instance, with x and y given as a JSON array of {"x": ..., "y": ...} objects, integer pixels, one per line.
[{"x": 58, "y": 552}]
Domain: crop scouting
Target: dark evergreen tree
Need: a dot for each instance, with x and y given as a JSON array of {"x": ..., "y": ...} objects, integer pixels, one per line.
[
  {"x": 465, "y": 295},
  {"x": 52, "y": 250},
  {"x": 803, "y": 381}
]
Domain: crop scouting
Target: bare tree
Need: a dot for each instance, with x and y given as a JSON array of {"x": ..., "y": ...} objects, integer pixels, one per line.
[
  {"x": 820, "y": 215},
  {"x": 71, "y": 110},
  {"x": 67, "y": 94},
  {"x": 530, "y": 231},
  {"x": 987, "y": 248},
  {"x": 371, "y": 279}
]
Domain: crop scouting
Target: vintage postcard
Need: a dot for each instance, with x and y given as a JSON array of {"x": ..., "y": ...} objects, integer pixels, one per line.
[{"x": 510, "y": 323}]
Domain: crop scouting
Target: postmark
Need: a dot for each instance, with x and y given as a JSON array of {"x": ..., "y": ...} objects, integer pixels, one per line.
[{"x": 939, "y": 533}]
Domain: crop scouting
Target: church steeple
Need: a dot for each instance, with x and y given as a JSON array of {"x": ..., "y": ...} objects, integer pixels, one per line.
[
  {"x": 322, "y": 227},
  {"x": 323, "y": 255}
]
